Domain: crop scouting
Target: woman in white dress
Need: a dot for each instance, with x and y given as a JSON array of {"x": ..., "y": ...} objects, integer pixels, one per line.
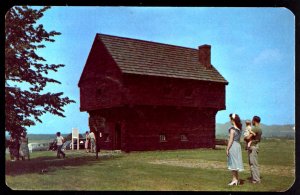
[
  {"x": 24, "y": 150},
  {"x": 233, "y": 150}
]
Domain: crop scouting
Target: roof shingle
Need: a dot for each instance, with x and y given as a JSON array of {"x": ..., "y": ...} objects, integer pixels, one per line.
[{"x": 149, "y": 58}]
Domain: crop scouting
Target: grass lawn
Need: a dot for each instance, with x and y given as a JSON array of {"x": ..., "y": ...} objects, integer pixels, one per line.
[{"x": 180, "y": 170}]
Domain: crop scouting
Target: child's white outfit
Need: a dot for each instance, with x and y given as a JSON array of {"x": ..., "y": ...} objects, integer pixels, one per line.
[{"x": 247, "y": 131}]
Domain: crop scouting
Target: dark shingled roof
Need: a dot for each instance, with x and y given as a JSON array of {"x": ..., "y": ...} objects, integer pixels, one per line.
[{"x": 149, "y": 58}]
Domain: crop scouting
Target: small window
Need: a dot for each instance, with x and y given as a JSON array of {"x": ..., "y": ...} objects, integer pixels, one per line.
[
  {"x": 162, "y": 138},
  {"x": 183, "y": 137}
]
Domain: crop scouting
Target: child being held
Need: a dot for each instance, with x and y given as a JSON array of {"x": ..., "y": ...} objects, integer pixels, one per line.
[{"x": 247, "y": 132}]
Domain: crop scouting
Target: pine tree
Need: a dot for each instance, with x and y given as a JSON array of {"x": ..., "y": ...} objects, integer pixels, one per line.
[{"x": 23, "y": 37}]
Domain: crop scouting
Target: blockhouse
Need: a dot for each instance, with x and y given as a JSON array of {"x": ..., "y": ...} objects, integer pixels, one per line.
[{"x": 142, "y": 95}]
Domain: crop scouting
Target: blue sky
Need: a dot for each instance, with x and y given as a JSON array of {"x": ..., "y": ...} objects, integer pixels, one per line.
[{"x": 253, "y": 48}]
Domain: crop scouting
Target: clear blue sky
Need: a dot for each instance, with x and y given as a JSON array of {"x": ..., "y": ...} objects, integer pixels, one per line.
[{"x": 253, "y": 48}]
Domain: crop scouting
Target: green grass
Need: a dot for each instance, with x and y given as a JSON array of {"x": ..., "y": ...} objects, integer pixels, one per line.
[{"x": 180, "y": 170}]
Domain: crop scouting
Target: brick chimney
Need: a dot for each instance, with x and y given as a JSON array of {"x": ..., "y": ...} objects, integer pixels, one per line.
[{"x": 204, "y": 55}]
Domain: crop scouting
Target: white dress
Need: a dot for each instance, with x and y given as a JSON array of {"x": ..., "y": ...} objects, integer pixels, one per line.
[{"x": 234, "y": 159}]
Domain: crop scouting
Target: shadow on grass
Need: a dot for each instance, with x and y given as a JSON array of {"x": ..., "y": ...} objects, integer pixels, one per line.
[
  {"x": 241, "y": 182},
  {"x": 47, "y": 164}
]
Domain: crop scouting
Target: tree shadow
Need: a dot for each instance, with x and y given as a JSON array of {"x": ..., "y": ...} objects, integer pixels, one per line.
[{"x": 47, "y": 164}]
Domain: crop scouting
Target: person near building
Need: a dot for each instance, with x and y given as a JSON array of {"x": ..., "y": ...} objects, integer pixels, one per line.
[
  {"x": 233, "y": 149},
  {"x": 253, "y": 150},
  {"x": 92, "y": 141},
  {"x": 24, "y": 150},
  {"x": 59, "y": 142}
]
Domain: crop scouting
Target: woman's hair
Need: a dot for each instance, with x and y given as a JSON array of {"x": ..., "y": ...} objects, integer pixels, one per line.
[
  {"x": 236, "y": 120},
  {"x": 58, "y": 133},
  {"x": 86, "y": 132}
]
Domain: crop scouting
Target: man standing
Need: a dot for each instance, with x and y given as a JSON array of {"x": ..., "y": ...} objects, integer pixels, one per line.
[
  {"x": 59, "y": 143},
  {"x": 92, "y": 140},
  {"x": 253, "y": 150}
]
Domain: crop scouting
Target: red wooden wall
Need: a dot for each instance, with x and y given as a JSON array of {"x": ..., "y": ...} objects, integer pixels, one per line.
[
  {"x": 138, "y": 108},
  {"x": 141, "y": 127}
]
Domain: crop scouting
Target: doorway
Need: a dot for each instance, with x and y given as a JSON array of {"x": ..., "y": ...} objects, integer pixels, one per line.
[{"x": 117, "y": 141}]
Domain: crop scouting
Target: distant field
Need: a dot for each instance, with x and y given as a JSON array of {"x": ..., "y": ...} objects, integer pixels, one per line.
[
  {"x": 40, "y": 138},
  {"x": 180, "y": 170},
  {"x": 269, "y": 131}
]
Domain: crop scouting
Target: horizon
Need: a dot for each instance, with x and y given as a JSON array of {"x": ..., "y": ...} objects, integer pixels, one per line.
[
  {"x": 215, "y": 129},
  {"x": 254, "y": 52}
]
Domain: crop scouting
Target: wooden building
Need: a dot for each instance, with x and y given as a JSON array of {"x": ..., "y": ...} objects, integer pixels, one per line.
[{"x": 143, "y": 95}]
